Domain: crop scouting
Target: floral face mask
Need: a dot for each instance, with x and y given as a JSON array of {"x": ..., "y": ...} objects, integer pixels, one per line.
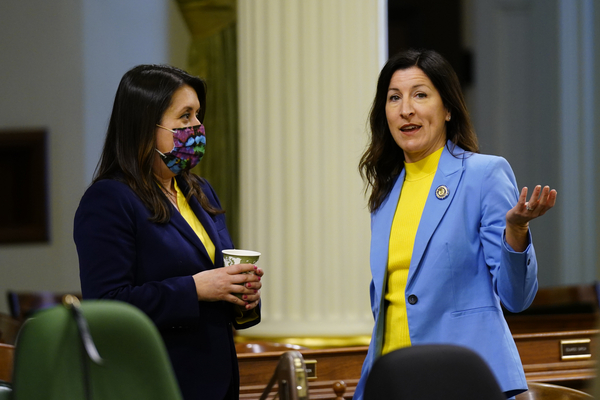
[{"x": 188, "y": 148}]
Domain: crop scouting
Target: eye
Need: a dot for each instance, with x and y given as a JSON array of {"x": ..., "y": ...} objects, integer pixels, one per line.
[
  {"x": 185, "y": 116},
  {"x": 421, "y": 95},
  {"x": 394, "y": 97}
]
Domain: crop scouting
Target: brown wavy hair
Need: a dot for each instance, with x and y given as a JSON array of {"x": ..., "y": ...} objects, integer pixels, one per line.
[
  {"x": 143, "y": 96},
  {"x": 383, "y": 160}
]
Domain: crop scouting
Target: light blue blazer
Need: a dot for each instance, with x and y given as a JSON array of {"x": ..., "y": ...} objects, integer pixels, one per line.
[{"x": 461, "y": 267}]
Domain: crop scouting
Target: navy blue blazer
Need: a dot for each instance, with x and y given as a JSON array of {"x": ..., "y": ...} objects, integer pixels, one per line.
[
  {"x": 461, "y": 268},
  {"x": 123, "y": 256}
]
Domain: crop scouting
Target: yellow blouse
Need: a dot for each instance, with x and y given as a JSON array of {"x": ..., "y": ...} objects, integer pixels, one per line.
[
  {"x": 415, "y": 189},
  {"x": 190, "y": 217}
]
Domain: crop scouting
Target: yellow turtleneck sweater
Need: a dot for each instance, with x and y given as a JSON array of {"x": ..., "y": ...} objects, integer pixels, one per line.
[{"x": 415, "y": 189}]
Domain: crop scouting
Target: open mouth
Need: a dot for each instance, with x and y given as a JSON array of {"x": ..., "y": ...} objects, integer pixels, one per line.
[{"x": 409, "y": 128}]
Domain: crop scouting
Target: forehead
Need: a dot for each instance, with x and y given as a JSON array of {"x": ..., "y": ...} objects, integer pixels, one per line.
[
  {"x": 409, "y": 78},
  {"x": 184, "y": 97}
]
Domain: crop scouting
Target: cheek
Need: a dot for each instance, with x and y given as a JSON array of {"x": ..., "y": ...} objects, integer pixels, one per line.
[
  {"x": 440, "y": 120},
  {"x": 164, "y": 142},
  {"x": 431, "y": 117},
  {"x": 438, "y": 114},
  {"x": 390, "y": 114}
]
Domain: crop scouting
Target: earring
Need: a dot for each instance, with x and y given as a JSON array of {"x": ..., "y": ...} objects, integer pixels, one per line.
[{"x": 448, "y": 117}]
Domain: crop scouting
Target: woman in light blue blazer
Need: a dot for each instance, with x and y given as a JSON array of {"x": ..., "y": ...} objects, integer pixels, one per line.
[{"x": 472, "y": 247}]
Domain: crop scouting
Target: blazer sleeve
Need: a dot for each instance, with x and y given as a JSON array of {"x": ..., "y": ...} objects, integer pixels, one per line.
[
  {"x": 106, "y": 232},
  {"x": 514, "y": 274}
]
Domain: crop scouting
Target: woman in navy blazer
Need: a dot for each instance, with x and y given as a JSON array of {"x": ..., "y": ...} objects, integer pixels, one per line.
[
  {"x": 136, "y": 244},
  {"x": 472, "y": 248}
]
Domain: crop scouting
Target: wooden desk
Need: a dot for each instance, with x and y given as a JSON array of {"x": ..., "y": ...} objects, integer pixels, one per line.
[
  {"x": 557, "y": 313},
  {"x": 562, "y": 313},
  {"x": 7, "y": 352},
  {"x": 540, "y": 354},
  {"x": 332, "y": 365},
  {"x": 542, "y": 361}
]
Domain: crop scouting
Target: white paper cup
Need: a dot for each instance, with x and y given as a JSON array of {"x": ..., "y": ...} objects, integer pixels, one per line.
[{"x": 235, "y": 256}]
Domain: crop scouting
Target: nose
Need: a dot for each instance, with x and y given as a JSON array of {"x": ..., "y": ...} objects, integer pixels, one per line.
[
  {"x": 196, "y": 121},
  {"x": 406, "y": 109}
]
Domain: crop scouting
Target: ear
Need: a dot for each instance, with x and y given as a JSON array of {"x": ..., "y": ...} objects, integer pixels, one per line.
[{"x": 448, "y": 116}]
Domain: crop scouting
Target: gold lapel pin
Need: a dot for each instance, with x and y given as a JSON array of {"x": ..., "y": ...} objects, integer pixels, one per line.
[{"x": 442, "y": 192}]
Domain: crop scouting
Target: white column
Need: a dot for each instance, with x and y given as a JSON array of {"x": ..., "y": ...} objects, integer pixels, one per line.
[{"x": 307, "y": 76}]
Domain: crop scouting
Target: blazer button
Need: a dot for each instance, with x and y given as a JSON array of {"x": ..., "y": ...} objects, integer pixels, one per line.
[{"x": 412, "y": 299}]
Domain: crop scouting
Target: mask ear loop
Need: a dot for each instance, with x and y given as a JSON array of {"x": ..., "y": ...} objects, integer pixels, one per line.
[
  {"x": 161, "y": 153},
  {"x": 170, "y": 130},
  {"x": 173, "y": 130},
  {"x": 164, "y": 157}
]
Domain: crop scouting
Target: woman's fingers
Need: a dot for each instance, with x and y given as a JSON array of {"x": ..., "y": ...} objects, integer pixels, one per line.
[
  {"x": 239, "y": 284},
  {"x": 541, "y": 201}
]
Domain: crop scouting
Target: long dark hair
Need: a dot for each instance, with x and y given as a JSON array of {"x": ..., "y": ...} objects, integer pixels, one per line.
[
  {"x": 143, "y": 96},
  {"x": 383, "y": 159}
]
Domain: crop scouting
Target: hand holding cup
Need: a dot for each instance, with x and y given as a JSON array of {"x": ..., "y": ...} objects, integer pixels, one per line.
[
  {"x": 235, "y": 257},
  {"x": 238, "y": 282}
]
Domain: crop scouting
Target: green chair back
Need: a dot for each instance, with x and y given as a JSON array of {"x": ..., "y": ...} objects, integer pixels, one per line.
[{"x": 51, "y": 363}]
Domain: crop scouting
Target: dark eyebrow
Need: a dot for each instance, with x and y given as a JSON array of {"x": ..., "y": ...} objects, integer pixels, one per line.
[
  {"x": 412, "y": 88},
  {"x": 186, "y": 109}
]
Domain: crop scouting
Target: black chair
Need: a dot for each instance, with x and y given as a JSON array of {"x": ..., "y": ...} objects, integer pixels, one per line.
[{"x": 432, "y": 372}]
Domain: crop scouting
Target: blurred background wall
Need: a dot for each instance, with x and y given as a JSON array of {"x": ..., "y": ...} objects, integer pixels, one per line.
[
  {"x": 306, "y": 76},
  {"x": 60, "y": 64}
]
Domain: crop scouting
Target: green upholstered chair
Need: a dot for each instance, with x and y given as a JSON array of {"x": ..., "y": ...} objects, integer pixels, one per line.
[{"x": 51, "y": 362}]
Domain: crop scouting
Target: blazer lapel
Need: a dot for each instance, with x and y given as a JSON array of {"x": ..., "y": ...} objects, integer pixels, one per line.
[
  {"x": 207, "y": 222},
  {"x": 209, "y": 225},
  {"x": 188, "y": 233},
  {"x": 449, "y": 173}
]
